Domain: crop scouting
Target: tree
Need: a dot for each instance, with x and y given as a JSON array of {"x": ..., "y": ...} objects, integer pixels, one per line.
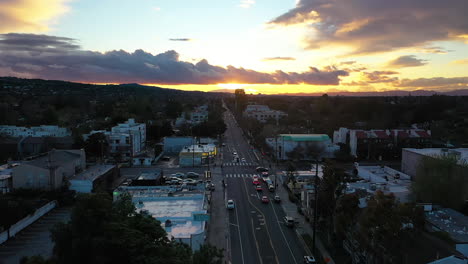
[
  {"x": 114, "y": 233},
  {"x": 442, "y": 180},
  {"x": 240, "y": 100},
  {"x": 208, "y": 254},
  {"x": 96, "y": 145}
]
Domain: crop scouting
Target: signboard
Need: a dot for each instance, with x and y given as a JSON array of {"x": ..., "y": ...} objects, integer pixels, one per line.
[{"x": 201, "y": 217}]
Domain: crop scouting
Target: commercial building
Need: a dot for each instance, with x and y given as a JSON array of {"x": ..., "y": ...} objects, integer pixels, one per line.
[
  {"x": 302, "y": 146},
  {"x": 5, "y": 178},
  {"x": 263, "y": 113},
  {"x": 450, "y": 221},
  {"x": 196, "y": 116},
  {"x": 38, "y": 131},
  {"x": 182, "y": 214},
  {"x": 48, "y": 171},
  {"x": 412, "y": 158},
  {"x": 95, "y": 178},
  {"x": 381, "y": 178},
  {"x": 196, "y": 155},
  {"x": 381, "y": 143}
]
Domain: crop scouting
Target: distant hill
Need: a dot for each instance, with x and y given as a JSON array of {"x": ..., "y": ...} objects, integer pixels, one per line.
[{"x": 366, "y": 94}]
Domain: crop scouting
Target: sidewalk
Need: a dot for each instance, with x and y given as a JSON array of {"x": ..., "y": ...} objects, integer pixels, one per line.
[
  {"x": 218, "y": 230},
  {"x": 303, "y": 227}
]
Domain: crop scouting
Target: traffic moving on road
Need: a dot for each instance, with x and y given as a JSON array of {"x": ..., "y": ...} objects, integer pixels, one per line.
[{"x": 257, "y": 231}]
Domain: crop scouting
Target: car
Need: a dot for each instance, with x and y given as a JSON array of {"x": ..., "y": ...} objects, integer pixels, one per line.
[
  {"x": 224, "y": 144},
  {"x": 243, "y": 160},
  {"x": 178, "y": 174},
  {"x": 190, "y": 182},
  {"x": 288, "y": 221},
  {"x": 309, "y": 259},
  {"x": 261, "y": 169},
  {"x": 265, "y": 199},
  {"x": 271, "y": 188},
  {"x": 234, "y": 153},
  {"x": 258, "y": 188},
  {"x": 210, "y": 186},
  {"x": 230, "y": 204},
  {"x": 192, "y": 174},
  {"x": 255, "y": 177},
  {"x": 277, "y": 199},
  {"x": 256, "y": 182},
  {"x": 165, "y": 158}
]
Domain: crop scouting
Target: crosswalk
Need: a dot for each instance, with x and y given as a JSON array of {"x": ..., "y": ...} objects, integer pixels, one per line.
[
  {"x": 239, "y": 175},
  {"x": 239, "y": 164}
]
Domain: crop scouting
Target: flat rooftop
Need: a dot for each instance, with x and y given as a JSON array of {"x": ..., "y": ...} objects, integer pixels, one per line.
[
  {"x": 450, "y": 221},
  {"x": 178, "y": 208},
  {"x": 434, "y": 152},
  {"x": 92, "y": 173},
  {"x": 385, "y": 179}
]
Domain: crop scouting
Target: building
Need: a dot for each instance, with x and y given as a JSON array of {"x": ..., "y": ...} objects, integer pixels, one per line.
[
  {"x": 130, "y": 127},
  {"x": 450, "y": 221},
  {"x": 49, "y": 171},
  {"x": 450, "y": 260},
  {"x": 143, "y": 159},
  {"x": 196, "y": 155},
  {"x": 95, "y": 178},
  {"x": 302, "y": 146},
  {"x": 40, "y": 131},
  {"x": 383, "y": 178},
  {"x": 182, "y": 214},
  {"x": 412, "y": 158},
  {"x": 151, "y": 177},
  {"x": 126, "y": 140},
  {"x": 381, "y": 143},
  {"x": 173, "y": 145},
  {"x": 5, "y": 178},
  {"x": 196, "y": 116},
  {"x": 263, "y": 113}
]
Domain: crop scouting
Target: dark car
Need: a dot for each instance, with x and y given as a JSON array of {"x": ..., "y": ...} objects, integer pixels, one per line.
[{"x": 261, "y": 169}]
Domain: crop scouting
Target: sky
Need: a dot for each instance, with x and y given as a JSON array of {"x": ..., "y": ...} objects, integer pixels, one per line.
[{"x": 263, "y": 46}]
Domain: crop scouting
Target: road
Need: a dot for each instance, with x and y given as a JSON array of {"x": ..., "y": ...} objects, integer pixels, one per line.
[{"x": 256, "y": 230}]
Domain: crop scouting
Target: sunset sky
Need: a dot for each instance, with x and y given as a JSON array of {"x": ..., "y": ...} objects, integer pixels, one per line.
[{"x": 267, "y": 46}]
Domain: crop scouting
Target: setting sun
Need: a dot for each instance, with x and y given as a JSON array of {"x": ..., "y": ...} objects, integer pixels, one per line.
[{"x": 232, "y": 86}]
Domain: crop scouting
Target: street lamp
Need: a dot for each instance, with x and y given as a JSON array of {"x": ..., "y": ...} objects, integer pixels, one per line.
[{"x": 316, "y": 204}]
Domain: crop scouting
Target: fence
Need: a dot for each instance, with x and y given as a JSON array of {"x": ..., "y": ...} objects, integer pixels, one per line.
[{"x": 25, "y": 222}]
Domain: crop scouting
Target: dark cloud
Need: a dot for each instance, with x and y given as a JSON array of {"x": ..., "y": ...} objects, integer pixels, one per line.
[
  {"x": 406, "y": 61},
  {"x": 379, "y": 25},
  {"x": 279, "y": 59},
  {"x": 436, "y": 83},
  {"x": 60, "y": 58},
  {"x": 379, "y": 77},
  {"x": 180, "y": 39}
]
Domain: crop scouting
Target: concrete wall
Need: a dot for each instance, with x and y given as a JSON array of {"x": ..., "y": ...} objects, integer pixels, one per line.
[
  {"x": 410, "y": 162},
  {"x": 25, "y": 222},
  {"x": 27, "y": 176}
]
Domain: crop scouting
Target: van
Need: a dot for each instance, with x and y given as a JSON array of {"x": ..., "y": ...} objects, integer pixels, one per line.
[{"x": 289, "y": 221}]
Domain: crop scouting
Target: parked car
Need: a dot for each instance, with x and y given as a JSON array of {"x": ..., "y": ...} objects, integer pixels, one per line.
[
  {"x": 277, "y": 199},
  {"x": 265, "y": 199},
  {"x": 309, "y": 259},
  {"x": 288, "y": 221},
  {"x": 258, "y": 188},
  {"x": 230, "y": 204},
  {"x": 190, "y": 182},
  {"x": 178, "y": 174},
  {"x": 192, "y": 174},
  {"x": 165, "y": 158}
]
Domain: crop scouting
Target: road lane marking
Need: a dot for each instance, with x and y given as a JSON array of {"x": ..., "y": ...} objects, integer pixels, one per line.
[
  {"x": 287, "y": 243},
  {"x": 256, "y": 242},
  {"x": 266, "y": 226},
  {"x": 240, "y": 237}
]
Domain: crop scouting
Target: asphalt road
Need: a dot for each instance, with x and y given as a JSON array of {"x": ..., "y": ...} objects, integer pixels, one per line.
[{"x": 257, "y": 231}]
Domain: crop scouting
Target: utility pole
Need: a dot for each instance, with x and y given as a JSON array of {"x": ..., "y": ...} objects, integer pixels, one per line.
[{"x": 316, "y": 203}]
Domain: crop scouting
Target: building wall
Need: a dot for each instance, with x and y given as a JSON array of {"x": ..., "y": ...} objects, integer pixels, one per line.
[
  {"x": 189, "y": 159},
  {"x": 173, "y": 145},
  {"x": 27, "y": 176},
  {"x": 410, "y": 162}
]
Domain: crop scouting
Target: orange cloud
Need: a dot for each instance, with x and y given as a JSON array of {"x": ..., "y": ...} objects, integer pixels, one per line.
[{"x": 29, "y": 15}]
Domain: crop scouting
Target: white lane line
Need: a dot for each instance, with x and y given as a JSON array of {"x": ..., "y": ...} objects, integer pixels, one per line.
[
  {"x": 287, "y": 243},
  {"x": 240, "y": 237}
]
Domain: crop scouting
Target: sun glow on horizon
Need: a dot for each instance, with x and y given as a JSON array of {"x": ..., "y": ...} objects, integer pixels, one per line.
[{"x": 232, "y": 86}]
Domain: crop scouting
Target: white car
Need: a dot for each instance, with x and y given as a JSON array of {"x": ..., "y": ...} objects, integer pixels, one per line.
[
  {"x": 309, "y": 259},
  {"x": 230, "y": 204},
  {"x": 243, "y": 159}
]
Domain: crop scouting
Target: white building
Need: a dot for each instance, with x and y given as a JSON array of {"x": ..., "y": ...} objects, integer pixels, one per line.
[
  {"x": 382, "y": 178},
  {"x": 263, "y": 113},
  {"x": 127, "y": 139},
  {"x": 284, "y": 144},
  {"x": 196, "y": 116},
  {"x": 95, "y": 178},
  {"x": 40, "y": 131}
]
